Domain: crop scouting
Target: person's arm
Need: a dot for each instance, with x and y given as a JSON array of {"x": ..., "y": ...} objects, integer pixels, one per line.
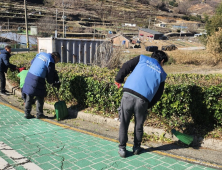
[
  {"x": 157, "y": 96},
  {"x": 126, "y": 69},
  {"x": 56, "y": 76},
  {"x": 6, "y": 61},
  {"x": 50, "y": 74}
]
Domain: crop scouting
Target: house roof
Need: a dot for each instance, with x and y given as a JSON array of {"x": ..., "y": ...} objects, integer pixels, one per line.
[
  {"x": 150, "y": 31},
  {"x": 111, "y": 36}
]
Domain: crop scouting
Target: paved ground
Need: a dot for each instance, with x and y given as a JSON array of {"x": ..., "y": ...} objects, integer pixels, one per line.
[
  {"x": 44, "y": 144},
  {"x": 47, "y": 144}
]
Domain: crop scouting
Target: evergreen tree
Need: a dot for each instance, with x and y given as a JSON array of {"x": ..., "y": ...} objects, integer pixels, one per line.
[{"x": 215, "y": 21}]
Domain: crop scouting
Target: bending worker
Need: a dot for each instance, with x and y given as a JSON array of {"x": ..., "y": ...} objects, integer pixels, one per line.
[
  {"x": 142, "y": 89},
  {"x": 42, "y": 67}
]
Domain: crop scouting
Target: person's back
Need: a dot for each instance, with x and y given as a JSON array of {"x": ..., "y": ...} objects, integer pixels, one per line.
[
  {"x": 145, "y": 78},
  {"x": 38, "y": 72}
]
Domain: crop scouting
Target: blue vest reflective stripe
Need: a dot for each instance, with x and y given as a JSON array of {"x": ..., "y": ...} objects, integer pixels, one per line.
[
  {"x": 40, "y": 64},
  {"x": 146, "y": 77}
]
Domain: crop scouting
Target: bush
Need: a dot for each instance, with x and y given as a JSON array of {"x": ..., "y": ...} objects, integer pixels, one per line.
[
  {"x": 214, "y": 46},
  {"x": 187, "y": 96}
]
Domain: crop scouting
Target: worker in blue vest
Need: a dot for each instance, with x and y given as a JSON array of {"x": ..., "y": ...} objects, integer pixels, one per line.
[
  {"x": 142, "y": 89},
  {"x": 42, "y": 68}
]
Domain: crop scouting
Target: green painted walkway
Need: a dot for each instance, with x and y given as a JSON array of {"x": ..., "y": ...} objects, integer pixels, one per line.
[{"x": 37, "y": 144}]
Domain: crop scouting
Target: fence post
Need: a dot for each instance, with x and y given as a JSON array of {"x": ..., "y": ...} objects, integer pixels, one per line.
[
  {"x": 74, "y": 56},
  {"x": 96, "y": 52},
  {"x": 61, "y": 52},
  {"x": 90, "y": 53},
  {"x": 85, "y": 62},
  {"x": 67, "y": 52},
  {"x": 80, "y": 52}
]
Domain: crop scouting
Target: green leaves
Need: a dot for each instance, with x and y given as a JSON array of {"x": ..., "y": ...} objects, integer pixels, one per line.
[{"x": 186, "y": 98}]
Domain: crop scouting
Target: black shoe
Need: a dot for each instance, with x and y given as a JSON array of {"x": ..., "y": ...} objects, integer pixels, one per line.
[
  {"x": 29, "y": 116},
  {"x": 3, "y": 94},
  {"x": 137, "y": 150},
  {"x": 42, "y": 116},
  {"x": 6, "y": 91},
  {"x": 122, "y": 152}
]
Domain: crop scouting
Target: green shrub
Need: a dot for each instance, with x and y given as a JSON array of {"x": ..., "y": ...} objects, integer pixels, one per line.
[{"x": 188, "y": 97}]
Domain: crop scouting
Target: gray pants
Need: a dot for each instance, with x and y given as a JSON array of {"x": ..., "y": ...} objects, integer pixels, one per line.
[
  {"x": 29, "y": 102},
  {"x": 130, "y": 105}
]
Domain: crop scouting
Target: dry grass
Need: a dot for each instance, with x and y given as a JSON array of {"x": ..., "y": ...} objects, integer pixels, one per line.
[
  {"x": 214, "y": 46},
  {"x": 186, "y": 61},
  {"x": 196, "y": 57}
]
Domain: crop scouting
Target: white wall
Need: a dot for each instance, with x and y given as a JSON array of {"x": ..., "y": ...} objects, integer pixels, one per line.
[{"x": 45, "y": 45}]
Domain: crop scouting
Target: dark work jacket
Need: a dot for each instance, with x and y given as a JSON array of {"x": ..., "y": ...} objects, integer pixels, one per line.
[
  {"x": 126, "y": 69},
  {"x": 4, "y": 61}
]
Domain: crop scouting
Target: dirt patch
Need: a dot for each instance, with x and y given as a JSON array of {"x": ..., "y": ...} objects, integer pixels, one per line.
[
  {"x": 197, "y": 69},
  {"x": 202, "y": 8}
]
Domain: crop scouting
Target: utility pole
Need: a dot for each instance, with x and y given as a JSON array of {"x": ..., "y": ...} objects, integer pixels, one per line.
[
  {"x": 56, "y": 25},
  {"x": 26, "y": 24},
  {"x": 149, "y": 23},
  {"x": 154, "y": 22},
  {"x": 63, "y": 20},
  {"x": 94, "y": 32},
  {"x": 8, "y": 24},
  {"x": 181, "y": 29}
]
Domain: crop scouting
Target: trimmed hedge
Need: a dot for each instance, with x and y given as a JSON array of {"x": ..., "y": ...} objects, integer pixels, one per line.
[{"x": 189, "y": 97}]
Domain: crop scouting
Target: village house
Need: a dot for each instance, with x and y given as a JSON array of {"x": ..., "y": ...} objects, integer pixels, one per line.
[
  {"x": 148, "y": 34},
  {"x": 119, "y": 40}
]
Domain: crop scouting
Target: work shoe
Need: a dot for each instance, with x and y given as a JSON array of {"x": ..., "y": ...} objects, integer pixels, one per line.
[
  {"x": 3, "y": 94},
  {"x": 122, "y": 152},
  {"x": 28, "y": 116},
  {"x": 137, "y": 150},
  {"x": 41, "y": 116},
  {"x": 6, "y": 91}
]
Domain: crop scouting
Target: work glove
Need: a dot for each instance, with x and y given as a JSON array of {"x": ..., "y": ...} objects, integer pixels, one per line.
[
  {"x": 118, "y": 84},
  {"x": 21, "y": 68},
  {"x": 57, "y": 85}
]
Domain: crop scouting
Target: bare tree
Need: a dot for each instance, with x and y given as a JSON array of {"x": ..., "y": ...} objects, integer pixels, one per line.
[
  {"x": 143, "y": 1},
  {"x": 68, "y": 3},
  {"x": 157, "y": 3},
  {"x": 184, "y": 7},
  {"x": 191, "y": 27},
  {"x": 107, "y": 56},
  {"x": 46, "y": 25}
]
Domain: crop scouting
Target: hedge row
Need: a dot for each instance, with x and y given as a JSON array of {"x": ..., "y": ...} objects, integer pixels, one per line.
[{"x": 187, "y": 96}]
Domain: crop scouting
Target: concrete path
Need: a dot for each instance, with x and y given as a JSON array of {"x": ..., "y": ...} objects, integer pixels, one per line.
[{"x": 44, "y": 144}]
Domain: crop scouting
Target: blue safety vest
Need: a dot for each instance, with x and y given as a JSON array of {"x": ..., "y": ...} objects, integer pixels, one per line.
[
  {"x": 40, "y": 64},
  {"x": 146, "y": 77}
]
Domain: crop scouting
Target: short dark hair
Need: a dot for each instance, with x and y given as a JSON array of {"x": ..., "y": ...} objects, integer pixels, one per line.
[
  {"x": 159, "y": 56},
  {"x": 56, "y": 54},
  {"x": 8, "y": 47}
]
